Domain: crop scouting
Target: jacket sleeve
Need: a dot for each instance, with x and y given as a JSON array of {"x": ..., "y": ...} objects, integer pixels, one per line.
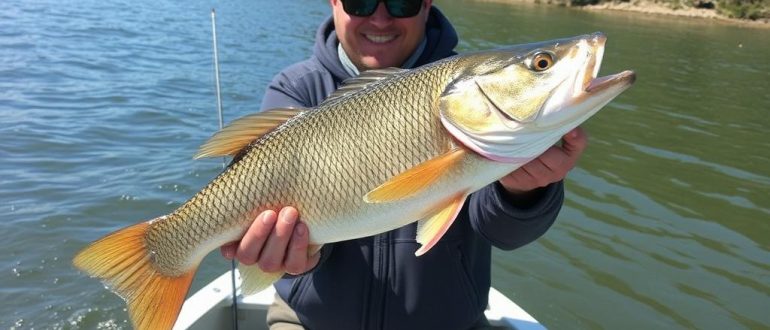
[{"x": 506, "y": 224}]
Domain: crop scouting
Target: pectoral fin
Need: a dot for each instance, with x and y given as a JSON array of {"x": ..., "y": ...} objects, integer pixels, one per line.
[
  {"x": 415, "y": 179},
  {"x": 242, "y": 131},
  {"x": 430, "y": 230}
]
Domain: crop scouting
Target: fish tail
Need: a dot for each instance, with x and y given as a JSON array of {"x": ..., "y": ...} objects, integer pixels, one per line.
[{"x": 122, "y": 260}]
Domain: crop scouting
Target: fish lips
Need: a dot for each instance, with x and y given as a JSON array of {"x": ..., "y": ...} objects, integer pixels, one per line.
[{"x": 597, "y": 85}]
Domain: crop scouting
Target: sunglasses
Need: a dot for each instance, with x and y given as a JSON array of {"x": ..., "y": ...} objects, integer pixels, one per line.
[{"x": 396, "y": 8}]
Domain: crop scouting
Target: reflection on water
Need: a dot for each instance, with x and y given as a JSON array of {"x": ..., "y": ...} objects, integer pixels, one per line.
[{"x": 665, "y": 223}]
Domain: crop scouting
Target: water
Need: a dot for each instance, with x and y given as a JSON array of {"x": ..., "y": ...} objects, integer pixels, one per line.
[{"x": 665, "y": 225}]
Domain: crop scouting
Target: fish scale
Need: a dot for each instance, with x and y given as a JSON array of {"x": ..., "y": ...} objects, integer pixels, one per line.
[{"x": 355, "y": 163}]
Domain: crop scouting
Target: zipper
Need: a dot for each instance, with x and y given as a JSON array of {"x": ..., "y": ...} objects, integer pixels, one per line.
[
  {"x": 369, "y": 308},
  {"x": 374, "y": 317},
  {"x": 384, "y": 272},
  {"x": 465, "y": 277}
]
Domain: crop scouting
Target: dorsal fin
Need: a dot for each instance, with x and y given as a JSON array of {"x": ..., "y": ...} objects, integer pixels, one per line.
[
  {"x": 242, "y": 131},
  {"x": 366, "y": 78}
]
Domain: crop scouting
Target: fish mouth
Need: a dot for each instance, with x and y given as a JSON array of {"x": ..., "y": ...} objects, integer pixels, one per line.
[
  {"x": 591, "y": 70},
  {"x": 599, "y": 84},
  {"x": 584, "y": 93},
  {"x": 592, "y": 84}
]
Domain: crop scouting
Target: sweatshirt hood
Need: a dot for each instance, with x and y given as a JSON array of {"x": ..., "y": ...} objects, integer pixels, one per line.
[{"x": 440, "y": 35}]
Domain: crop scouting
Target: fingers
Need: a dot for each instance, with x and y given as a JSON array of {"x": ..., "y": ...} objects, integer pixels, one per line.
[
  {"x": 574, "y": 142},
  {"x": 275, "y": 242},
  {"x": 297, "y": 260},
  {"x": 228, "y": 250},
  {"x": 253, "y": 241},
  {"x": 274, "y": 251},
  {"x": 539, "y": 173},
  {"x": 552, "y": 166},
  {"x": 561, "y": 159}
]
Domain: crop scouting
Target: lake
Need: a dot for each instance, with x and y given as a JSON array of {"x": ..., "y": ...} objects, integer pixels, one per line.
[{"x": 666, "y": 222}]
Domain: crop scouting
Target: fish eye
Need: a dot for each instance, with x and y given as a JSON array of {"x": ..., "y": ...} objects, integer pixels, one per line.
[{"x": 541, "y": 61}]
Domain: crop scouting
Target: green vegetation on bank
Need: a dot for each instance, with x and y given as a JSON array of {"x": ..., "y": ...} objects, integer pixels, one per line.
[
  {"x": 751, "y": 9},
  {"x": 744, "y": 9}
]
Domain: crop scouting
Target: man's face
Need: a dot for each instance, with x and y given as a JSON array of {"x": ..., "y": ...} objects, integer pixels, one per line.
[{"x": 380, "y": 40}]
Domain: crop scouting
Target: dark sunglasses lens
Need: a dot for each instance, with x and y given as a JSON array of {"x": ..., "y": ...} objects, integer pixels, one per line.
[
  {"x": 360, "y": 7},
  {"x": 403, "y": 8}
]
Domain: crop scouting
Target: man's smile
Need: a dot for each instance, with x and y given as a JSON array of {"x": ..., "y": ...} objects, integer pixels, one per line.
[{"x": 379, "y": 38}]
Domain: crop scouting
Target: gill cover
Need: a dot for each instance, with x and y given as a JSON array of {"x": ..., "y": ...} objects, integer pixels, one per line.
[
  {"x": 505, "y": 91},
  {"x": 511, "y": 89}
]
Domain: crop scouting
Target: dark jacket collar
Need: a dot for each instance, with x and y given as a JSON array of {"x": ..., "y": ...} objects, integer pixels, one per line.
[{"x": 441, "y": 41}]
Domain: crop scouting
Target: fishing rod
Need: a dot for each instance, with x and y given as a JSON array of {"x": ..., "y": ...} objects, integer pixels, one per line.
[{"x": 224, "y": 160}]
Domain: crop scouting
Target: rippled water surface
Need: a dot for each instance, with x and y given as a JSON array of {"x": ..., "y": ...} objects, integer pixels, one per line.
[{"x": 102, "y": 105}]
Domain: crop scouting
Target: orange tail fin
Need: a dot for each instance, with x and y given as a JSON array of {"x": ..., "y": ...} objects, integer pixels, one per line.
[{"x": 123, "y": 262}]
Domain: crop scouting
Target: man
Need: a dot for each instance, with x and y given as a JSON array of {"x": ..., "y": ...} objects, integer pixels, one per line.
[{"x": 377, "y": 282}]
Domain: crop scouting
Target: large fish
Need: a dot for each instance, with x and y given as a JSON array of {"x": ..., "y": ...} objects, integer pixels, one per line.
[{"x": 389, "y": 148}]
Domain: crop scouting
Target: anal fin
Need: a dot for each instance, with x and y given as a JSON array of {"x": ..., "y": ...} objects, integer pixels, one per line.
[{"x": 254, "y": 280}]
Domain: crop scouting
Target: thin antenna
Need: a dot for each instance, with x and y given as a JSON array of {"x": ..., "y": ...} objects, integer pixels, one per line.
[
  {"x": 224, "y": 161},
  {"x": 216, "y": 71}
]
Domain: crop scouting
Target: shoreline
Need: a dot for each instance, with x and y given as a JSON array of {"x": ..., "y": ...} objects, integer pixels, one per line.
[{"x": 654, "y": 8}]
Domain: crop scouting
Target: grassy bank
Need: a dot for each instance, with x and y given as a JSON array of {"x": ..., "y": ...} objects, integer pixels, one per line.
[
  {"x": 748, "y": 9},
  {"x": 755, "y": 10}
]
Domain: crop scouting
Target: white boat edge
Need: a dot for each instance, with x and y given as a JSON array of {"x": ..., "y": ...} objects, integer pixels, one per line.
[{"x": 210, "y": 308}]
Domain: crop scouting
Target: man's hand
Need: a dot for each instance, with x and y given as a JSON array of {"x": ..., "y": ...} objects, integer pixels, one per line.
[
  {"x": 275, "y": 242},
  {"x": 549, "y": 167}
]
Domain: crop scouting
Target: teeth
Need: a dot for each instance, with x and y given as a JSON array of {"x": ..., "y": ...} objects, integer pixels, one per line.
[{"x": 380, "y": 39}]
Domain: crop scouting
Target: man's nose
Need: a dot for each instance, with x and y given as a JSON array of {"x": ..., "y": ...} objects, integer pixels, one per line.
[{"x": 381, "y": 18}]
